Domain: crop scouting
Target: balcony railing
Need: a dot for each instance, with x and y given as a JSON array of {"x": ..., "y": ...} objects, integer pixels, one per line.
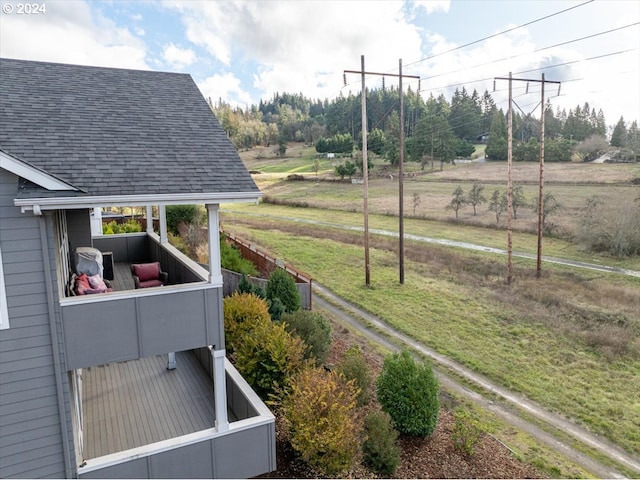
[
  {"x": 244, "y": 450},
  {"x": 131, "y": 324}
]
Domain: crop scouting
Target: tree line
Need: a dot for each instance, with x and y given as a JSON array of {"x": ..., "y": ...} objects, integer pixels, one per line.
[{"x": 435, "y": 128}]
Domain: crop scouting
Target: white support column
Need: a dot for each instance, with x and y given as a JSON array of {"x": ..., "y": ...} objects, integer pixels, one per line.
[
  {"x": 215, "y": 271},
  {"x": 220, "y": 390},
  {"x": 96, "y": 221},
  {"x": 171, "y": 361},
  {"x": 149, "y": 219},
  {"x": 162, "y": 213}
]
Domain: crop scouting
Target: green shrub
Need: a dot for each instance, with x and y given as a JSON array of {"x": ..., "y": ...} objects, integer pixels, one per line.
[
  {"x": 281, "y": 285},
  {"x": 276, "y": 309},
  {"x": 242, "y": 315},
  {"x": 177, "y": 214},
  {"x": 466, "y": 431},
  {"x": 178, "y": 242},
  {"x": 314, "y": 329},
  {"x": 408, "y": 392},
  {"x": 131, "y": 226},
  {"x": 380, "y": 448},
  {"x": 320, "y": 415},
  {"x": 246, "y": 286},
  {"x": 267, "y": 357},
  {"x": 232, "y": 259},
  {"x": 354, "y": 367}
]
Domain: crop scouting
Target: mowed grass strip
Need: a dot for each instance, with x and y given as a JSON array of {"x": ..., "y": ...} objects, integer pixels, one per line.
[
  {"x": 484, "y": 327},
  {"x": 489, "y": 237}
]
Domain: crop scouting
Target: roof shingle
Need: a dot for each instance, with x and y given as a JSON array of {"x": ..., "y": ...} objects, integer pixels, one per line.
[{"x": 115, "y": 132}]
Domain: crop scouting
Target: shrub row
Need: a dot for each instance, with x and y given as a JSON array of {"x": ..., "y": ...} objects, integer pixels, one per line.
[{"x": 282, "y": 362}]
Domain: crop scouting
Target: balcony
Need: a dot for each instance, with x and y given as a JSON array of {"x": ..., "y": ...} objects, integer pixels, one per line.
[
  {"x": 128, "y": 324},
  {"x": 133, "y": 418},
  {"x": 144, "y": 421}
]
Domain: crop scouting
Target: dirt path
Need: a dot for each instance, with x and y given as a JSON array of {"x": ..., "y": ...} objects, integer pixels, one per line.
[
  {"x": 452, "y": 243},
  {"x": 511, "y": 406}
]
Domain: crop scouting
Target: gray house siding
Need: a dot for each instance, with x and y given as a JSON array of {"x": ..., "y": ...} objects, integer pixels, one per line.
[
  {"x": 79, "y": 229},
  {"x": 31, "y": 440}
]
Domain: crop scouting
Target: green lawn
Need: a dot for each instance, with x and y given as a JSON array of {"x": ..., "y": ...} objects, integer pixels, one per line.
[
  {"x": 489, "y": 237},
  {"x": 484, "y": 326}
]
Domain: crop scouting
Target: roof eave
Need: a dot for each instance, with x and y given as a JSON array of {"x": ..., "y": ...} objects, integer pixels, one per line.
[{"x": 69, "y": 203}]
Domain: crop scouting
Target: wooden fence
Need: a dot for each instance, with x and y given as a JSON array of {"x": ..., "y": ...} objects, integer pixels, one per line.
[{"x": 265, "y": 264}]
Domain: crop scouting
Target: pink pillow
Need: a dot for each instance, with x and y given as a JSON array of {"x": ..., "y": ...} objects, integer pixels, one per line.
[
  {"x": 82, "y": 284},
  {"x": 97, "y": 283},
  {"x": 147, "y": 271}
]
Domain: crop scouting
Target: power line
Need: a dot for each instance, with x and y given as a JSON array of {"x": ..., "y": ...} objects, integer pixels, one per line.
[
  {"x": 498, "y": 34},
  {"x": 534, "y": 51},
  {"x": 532, "y": 70},
  {"x": 494, "y": 35}
]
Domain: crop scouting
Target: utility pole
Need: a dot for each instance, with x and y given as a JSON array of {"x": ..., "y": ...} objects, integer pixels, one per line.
[
  {"x": 365, "y": 177},
  {"x": 509, "y": 165},
  {"x": 401, "y": 178},
  {"x": 509, "y": 185},
  {"x": 365, "y": 183}
]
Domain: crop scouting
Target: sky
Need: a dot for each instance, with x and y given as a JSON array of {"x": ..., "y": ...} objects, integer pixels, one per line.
[{"x": 243, "y": 51}]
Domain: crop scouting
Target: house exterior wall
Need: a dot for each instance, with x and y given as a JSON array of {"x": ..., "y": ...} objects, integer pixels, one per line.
[
  {"x": 32, "y": 398},
  {"x": 79, "y": 229}
]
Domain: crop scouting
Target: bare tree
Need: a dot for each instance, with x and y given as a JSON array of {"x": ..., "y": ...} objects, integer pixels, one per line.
[
  {"x": 416, "y": 202},
  {"x": 475, "y": 196},
  {"x": 458, "y": 201},
  {"x": 498, "y": 203}
]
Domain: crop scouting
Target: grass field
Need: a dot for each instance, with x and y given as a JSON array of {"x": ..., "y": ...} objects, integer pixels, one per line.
[
  {"x": 570, "y": 341},
  {"x": 427, "y": 194},
  {"x": 556, "y": 341}
]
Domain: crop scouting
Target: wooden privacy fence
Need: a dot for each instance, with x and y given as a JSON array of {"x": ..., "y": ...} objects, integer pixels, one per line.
[{"x": 265, "y": 264}]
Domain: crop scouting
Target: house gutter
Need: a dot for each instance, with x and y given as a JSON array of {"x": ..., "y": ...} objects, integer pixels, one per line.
[
  {"x": 62, "y": 203},
  {"x": 55, "y": 347}
]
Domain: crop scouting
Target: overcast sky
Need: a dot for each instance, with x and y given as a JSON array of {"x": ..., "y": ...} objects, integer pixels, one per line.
[{"x": 245, "y": 51}]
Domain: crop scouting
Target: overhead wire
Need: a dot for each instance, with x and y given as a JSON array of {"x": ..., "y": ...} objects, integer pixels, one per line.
[
  {"x": 498, "y": 34},
  {"x": 492, "y": 36}
]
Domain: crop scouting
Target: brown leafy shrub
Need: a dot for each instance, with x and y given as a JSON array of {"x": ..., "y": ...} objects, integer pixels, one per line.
[{"x": 320, "y": 414}]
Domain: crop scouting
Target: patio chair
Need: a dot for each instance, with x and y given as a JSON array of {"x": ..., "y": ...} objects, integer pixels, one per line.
[{"x": 147, "y": 275}]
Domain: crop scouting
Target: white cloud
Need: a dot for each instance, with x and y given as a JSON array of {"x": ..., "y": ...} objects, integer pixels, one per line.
[
  {"x": 295, "y": 44},
  {"x": 178, "y": 57},
  {"x": 431, "y": 6},
  {"x": 71, "y": 32},
  {"x": 226, "y": 87}
]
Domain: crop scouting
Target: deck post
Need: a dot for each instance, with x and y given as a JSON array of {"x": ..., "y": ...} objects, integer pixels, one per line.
[
  {"x": 162, "y": 213},
  {"x": 215, "y": 271},
  {"x": 171, "y": 361},
  {"x": 220, "y": 390},
  {"x": 149, "y": 219}
]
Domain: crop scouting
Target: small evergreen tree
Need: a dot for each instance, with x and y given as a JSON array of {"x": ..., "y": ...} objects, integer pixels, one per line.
[
  {"x": 282, "y": 286},
  {"x": 408, "y": 392}
]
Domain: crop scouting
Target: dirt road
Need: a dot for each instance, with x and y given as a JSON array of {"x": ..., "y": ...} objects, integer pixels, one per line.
[
  {"x": 452, "y": 243},
  {"x": 511, "y": 405}
]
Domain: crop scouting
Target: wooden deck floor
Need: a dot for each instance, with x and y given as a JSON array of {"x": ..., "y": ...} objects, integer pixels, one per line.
[
  {"x": 122, "y": 278},
  {"x": 130, "y": 404}
]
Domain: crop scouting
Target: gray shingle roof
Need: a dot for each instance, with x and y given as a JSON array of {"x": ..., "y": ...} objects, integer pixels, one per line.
[{"x": 117, "y": 132}]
